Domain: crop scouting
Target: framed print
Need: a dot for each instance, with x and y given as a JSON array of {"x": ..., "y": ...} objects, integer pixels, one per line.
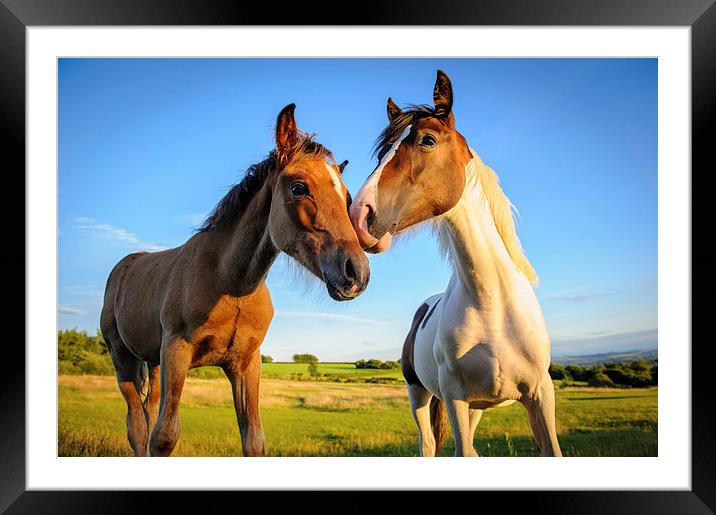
[{"x": 138, "y": 124}]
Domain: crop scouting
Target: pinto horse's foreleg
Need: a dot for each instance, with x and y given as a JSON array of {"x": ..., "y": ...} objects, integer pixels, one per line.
[
  {"x": 420, "y": 399},
  {"x": 175, "y": 360},
  {"x": 540, "y": 409},
  {"x": 458, "y": 412},
  {"x": 475, "y": 416},
  {"x": 459, "y": 415},
  {"x": 245, "y": 389}
]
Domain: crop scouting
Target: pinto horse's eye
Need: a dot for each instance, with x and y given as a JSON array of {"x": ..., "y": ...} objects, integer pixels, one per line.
[
  {"x": 428, "y": 141},
  {"x": 298, "y": 189}
]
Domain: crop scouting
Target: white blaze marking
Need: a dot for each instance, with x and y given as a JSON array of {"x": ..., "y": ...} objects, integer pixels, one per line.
[
  {"x": 371, "y": 184},
  {"x": 336, "y": 181}
]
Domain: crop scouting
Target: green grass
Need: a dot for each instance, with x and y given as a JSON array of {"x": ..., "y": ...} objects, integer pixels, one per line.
[
  {"x": 345, "y": 372},
  {"x": 305, "y": 418}
]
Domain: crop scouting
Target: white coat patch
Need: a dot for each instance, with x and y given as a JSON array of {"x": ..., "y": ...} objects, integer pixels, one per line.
[
  {"x": 337, "y": 184},
  {"x": 371, "y": 185}
]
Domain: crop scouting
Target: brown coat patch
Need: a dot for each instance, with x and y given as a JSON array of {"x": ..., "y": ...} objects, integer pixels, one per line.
[
  {"x": 425, "y": 321},
  {"x": 406, "y": 360}
]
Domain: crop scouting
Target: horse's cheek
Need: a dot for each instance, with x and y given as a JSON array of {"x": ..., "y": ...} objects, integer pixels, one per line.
[{"x": 306, "y": 215}]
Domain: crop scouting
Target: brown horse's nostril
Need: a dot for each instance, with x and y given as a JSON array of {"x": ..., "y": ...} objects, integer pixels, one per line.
[{"x": 349, "y": 270}]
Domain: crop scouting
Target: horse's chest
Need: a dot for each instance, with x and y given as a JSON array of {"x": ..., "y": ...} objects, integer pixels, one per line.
[
  {"x": 478, "y": 369},
  {"x": 234, "y": 329}
]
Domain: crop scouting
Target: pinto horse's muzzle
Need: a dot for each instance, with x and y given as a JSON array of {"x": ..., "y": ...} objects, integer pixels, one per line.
[{"x": 372, "y": 237}]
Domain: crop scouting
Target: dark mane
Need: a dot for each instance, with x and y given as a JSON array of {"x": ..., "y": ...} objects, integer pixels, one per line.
[
  {"x": 239, "y": 196},
  {"x": 396, "y": 127}
]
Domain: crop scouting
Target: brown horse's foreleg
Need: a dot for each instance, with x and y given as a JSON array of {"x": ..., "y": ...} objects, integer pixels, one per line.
[
  {"x": 129, "y": 379},
  {"x": 175, "y": 360},
  {"x": 245, "y": 387},
  {"x": 151, "y": 404}
]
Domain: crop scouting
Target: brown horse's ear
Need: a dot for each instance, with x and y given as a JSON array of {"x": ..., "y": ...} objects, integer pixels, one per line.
[
  {"x": 342, "y": 166},
  {"x": 393, "y": 110},
  {"x": 442, "y": 97},
  {"x": 286, "y": 133}
]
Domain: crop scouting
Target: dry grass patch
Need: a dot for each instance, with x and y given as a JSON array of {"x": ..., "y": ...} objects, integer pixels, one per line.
[{"x": 274, "y": 393}]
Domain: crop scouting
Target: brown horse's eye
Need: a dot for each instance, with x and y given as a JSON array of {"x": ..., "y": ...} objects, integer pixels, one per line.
[
  {"x": 428, "y": 141},
  {"x": 299, "y": 189}
]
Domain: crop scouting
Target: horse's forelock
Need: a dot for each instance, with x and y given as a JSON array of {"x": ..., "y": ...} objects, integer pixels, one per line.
[{"x": 397, "y": 125}]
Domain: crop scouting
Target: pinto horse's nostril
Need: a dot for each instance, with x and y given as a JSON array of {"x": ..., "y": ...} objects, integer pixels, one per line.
[
  {"x": 363, "y": 218},
  {"x": 370, "y": 219},
  {"x": 349, "y": 270}
]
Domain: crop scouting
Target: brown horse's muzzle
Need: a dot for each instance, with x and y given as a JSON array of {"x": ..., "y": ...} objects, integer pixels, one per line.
[{"x": 345, "y": 273}]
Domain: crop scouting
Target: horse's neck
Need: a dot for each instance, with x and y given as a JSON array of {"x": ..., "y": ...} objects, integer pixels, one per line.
[
  {"x": 248, "y": 252},
  {"x": 483, "y": 268}
]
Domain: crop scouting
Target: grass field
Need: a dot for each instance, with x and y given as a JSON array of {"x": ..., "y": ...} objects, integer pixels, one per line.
[
  {"x": 310, "y": 418},
  {"x": 338, "y": 372},
  {"x": 333, "y": 372}
]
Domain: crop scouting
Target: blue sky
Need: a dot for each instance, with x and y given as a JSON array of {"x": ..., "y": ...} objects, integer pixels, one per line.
[{"x": 148, "y": 146}]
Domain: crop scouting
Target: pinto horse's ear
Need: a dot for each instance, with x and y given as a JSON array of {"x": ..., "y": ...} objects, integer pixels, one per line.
[
  {"x": 342, "y": 166},
  {"x": 393, "y": 110},
  {"x": 442, "y": 97},
  {"x": 286, "y": 133}
]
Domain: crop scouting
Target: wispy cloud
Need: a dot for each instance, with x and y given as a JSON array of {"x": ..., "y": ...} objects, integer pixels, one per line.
[
  {"x": 574, "y": 296},
  {"x": 66, "y": 310},
  {"x": 82, "y": 289},
  {"x": 611, "y": 342},
  {"x": 329, "y": 316},
  {"x": 586, "y": 298},
  {"x": 117, "y": 235}
]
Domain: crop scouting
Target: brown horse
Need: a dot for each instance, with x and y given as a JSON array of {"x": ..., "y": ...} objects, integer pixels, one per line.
[{"x": 206, "y": 302}]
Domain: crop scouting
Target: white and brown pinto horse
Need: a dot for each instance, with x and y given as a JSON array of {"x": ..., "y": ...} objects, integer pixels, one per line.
[
  {"x": 206, "y": 302},
  {"x": 483, "y": 343}
]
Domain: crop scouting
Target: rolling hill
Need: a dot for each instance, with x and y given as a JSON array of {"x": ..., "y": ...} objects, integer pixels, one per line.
[{"x": 616, "y": 357}]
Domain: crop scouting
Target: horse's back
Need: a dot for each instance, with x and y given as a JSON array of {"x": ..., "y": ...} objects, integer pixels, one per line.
[{"x": 136, "y": 289}]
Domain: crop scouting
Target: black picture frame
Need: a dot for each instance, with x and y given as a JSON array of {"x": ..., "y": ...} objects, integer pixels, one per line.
[{"x": 17, "y": 15}]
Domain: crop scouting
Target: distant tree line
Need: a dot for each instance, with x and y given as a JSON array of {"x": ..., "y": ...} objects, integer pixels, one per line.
[
  {"x": 305, "y": 358},
  {"x": 377, "y": 364},
  {"x": 81, "y": 353},
  {"x": 637, "y": 373}
]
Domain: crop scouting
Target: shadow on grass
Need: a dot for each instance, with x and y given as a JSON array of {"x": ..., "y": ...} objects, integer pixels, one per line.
[
  {"x": 610, "y": 443},
  {"x": 604, "y": 443}
]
